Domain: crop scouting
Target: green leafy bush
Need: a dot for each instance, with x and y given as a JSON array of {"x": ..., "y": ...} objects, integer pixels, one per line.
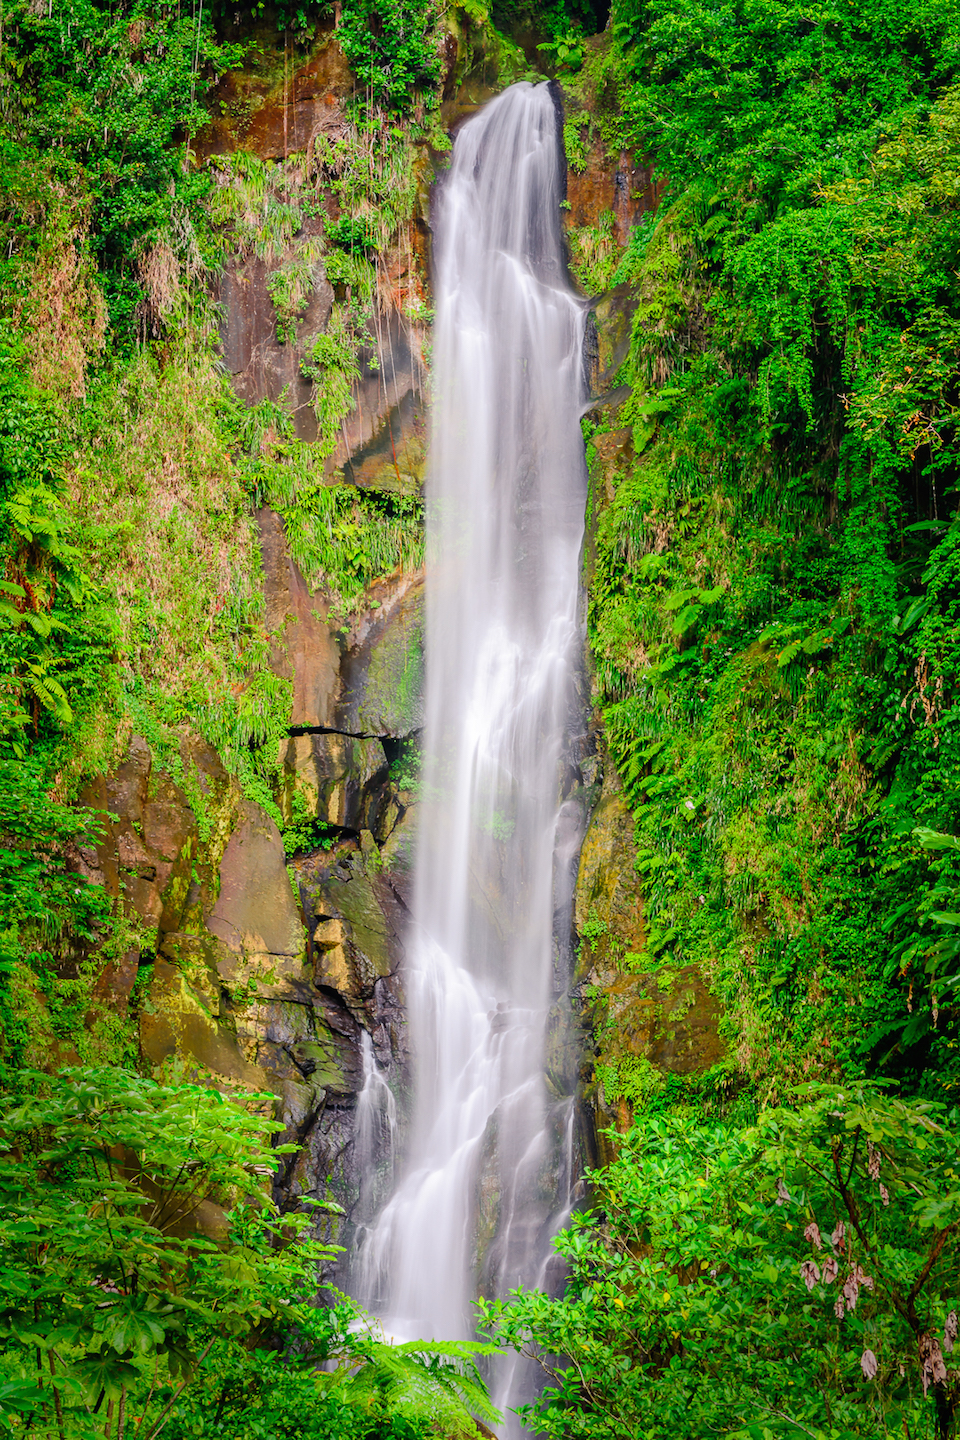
[
  {"x": 393, "y": 49},
  {"x": 149, "y": 1286},
  {"x": 798, "y": 1278}
]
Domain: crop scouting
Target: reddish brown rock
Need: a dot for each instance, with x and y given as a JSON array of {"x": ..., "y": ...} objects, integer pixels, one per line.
[
  {"x": 625, "y": 187},
  {"x": 386, "y": 422},
  {"x": 276, "y": 112},
  {"x": 150, "y": 842},
  {"x": 304, "y": 649},
  {"x": 255, "y": 910},
  {"x": 176, "y": 1023},
  {"x": 260, "y": 366},
  {"x": 115, "y": 983}
]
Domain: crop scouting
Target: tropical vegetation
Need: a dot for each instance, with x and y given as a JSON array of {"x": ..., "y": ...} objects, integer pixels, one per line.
[{"x": 772, "y": 575}]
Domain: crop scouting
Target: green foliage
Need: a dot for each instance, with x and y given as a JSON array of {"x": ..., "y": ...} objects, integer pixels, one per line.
[
  {"x": 111, "y": 1292},
  {"x": 797, "y": 1278},
  {"x": 289, "y": 288},
  {"x": 563, "y": 22},
  {"x": 393, "y": 49},
  {"x": 101, "y": 98},
  {"x": 340, "y": 536},
  {"x": 595, "y": 253},
  {"x": 768, "y": 103},
  {"x": 38, "y": 888},
  {"x": 104, "y": 1284},
  {"x": 332, "y": 365},
  {"x": 576, "y": 140},
  {"x": 303, "y": 831},
  {"x": 564, "y": 52},
  {"x": 772, "y": 591},
  {"x": 405, "y": 766}
]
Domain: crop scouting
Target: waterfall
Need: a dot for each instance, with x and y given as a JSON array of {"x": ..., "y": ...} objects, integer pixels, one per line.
[
  {"x": 482, "y": 1185},
  {"x": 375, "y": 1129}
]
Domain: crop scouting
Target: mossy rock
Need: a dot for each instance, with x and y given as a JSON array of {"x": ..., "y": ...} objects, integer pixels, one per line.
[
  {"x": 608, "y": 905},
  {"x": 336, "y": 777},
  {"x": 670, "y": 1019},
  {"x": 382, "y": 670},
  {"x": 175, "y": 1022},
  {"x": 352, "y": 941}
]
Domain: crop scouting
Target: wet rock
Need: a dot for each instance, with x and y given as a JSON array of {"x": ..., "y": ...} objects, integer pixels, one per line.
[
  {"x": 382, "y": 668},
  {"x": 354, "y": 939},
  {"x": 381, "y": 442},
  {"x": 238, "y": 994},
  {"x": 398, "y": 851},
  {"x": 613, "y": 318},
  {"x": 395, "y": 456},
  {"x": 274, "y": 106},
  {"x": 337, "y": 777},
  {"x": 387, "y": 420}
]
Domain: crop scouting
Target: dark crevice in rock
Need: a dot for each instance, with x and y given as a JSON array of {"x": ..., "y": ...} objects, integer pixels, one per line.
[
  {"x": 392, "y": 744},
  {"x": 395, "y": 745},
  {"x": 297, "y": 730}
]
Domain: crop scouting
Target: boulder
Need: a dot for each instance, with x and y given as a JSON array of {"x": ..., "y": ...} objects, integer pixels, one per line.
[
  {"x": 256, "y": 911},
  {"x": 337, "y": 777}
]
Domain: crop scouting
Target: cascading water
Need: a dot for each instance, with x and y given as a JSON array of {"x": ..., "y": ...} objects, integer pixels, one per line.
[
  {"x": 479, "y": 1192},
  {"x": 375, "y": 1129}
]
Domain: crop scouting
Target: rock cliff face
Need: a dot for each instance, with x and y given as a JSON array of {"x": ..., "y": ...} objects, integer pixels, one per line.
[
  {"x": 257, "y": 973},
  {"x": 252, "y": 972}
]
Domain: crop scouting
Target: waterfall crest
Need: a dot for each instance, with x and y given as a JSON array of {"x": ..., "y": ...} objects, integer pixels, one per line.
[{"x": 477, "y": 1193}]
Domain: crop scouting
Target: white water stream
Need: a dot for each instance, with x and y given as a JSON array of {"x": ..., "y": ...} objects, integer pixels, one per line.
[{"x": 487, "y": 1172}]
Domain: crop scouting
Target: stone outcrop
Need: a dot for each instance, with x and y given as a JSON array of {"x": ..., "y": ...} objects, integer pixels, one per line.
[
  {"x": 255, "y": 972},
  {"x": 275, "y": 104},
  {"x": 381, "y": 443}
]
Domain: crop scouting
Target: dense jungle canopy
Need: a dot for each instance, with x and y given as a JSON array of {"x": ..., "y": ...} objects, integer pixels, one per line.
[{"x": 770, "y": 1244}]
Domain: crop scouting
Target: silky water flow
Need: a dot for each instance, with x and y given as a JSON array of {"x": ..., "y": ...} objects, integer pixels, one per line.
[{"x": 486, "y": 1177}]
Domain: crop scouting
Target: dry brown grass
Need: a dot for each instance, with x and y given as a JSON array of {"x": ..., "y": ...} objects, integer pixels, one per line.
[
  {"x": 159, "y": 273},
  {"x": 63, "y": 316}
]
